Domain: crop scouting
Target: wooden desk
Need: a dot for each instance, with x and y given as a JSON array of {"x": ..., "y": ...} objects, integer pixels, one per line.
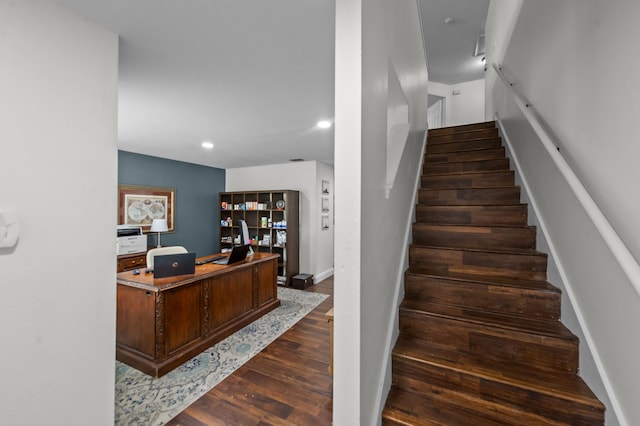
[{"x": 161, "y": 323}]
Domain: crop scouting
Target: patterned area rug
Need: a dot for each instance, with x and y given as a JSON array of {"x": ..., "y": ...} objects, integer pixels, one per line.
[{"x": 144, "y": 400}]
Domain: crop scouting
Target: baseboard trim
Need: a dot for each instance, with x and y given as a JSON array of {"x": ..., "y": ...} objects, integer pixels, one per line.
[{"x": 323, "y": 276}]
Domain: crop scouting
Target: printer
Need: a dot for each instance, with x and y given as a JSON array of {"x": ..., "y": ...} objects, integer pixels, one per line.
[{"x": 130, "y": 240}]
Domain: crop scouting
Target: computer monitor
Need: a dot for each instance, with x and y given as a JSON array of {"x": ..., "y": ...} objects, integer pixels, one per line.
[{"x": 244, "y": 234}]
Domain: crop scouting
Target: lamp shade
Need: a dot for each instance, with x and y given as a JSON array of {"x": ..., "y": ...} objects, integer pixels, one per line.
[{"x": 159, "y": 225}]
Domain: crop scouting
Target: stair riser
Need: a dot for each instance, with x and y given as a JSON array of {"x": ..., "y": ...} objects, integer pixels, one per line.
[
  {"x": 468, "y": 145},
  {"x": 451, "y": 384},
  {"x": 475, "y": 237},
  {"x": 472, "y": 215},
  {"x": 456, "y": 137},
  {"x": 510, "y": 265},
  {"x": 467, "y": 132},
  {"x": 452, "y": 157},
  {"x": 470, "y": 197},
  {"x": 477, "y": 180},
  {"x": 465, "y": 167},
  {"x": 505, "y": 299},
  {"x": 493, "y": 343},
  {"x": 462, "y": 129}
]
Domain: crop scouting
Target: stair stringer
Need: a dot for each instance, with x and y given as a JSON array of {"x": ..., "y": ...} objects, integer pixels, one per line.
[
  {"x": 571, "y": 315},
  {"x": 393, "y": 330}
]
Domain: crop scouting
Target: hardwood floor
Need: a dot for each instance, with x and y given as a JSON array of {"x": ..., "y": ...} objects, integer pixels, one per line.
[{"x": 285, "y": 384}]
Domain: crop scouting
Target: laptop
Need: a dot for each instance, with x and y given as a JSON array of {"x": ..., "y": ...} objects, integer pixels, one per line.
[
  {"x": 238, "y": 254},
  {"x": 170, "y": 265}
]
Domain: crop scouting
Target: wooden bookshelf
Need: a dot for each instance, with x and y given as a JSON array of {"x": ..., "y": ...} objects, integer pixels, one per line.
[{"x": 273, "y": 219}]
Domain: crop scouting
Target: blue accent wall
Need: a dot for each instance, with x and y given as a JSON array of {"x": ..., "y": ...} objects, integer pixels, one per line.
[{"x": 197, "y": 215}]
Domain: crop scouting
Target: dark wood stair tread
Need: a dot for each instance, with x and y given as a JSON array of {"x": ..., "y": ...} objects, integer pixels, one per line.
[
  {"x": 472, "y": 179},
  {"x": 470, "y": 173},
  {"x": 540, "y": 327},
  {"x": 477, "y": 196},
  {"x": 480, "y": 229},
  {"x": 473, "y": 215},
  {"x": 557, "y": 383},
  {"x": 470, "y": 144},
  {"x": 457, "y": 167},
  {"x": 475, "y": 236},
  {"x": 487, "y": 280},
  {"x": 514, "y": 251},
  {"x": 464, "y": 156},
  {"x": 408, "y": 408},
  {"x": 465, "y": 128}
]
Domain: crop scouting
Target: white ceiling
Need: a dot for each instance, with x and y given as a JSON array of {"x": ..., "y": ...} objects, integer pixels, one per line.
[
  {"x": 252, "y": 76},
  {"x": 450, "y": 46}
]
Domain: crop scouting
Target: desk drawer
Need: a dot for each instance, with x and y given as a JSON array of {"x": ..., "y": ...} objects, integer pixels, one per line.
[{"x": 133, "y": 262}]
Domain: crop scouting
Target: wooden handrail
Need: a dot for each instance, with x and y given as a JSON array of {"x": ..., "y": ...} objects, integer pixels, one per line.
[{"x": 619, "y": 250}]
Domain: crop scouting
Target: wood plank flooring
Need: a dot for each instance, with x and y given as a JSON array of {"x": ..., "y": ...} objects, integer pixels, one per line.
[{"x": 286, "y": 384}]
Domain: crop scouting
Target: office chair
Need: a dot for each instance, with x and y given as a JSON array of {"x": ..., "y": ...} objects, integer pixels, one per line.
[{"x": 162, "y": 251}]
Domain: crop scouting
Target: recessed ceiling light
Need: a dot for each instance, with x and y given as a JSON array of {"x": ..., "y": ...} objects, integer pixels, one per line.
[
  {"x": 207, "y": 145},
  {"x": 325, "y": 124},
  {"x": 449, "y": 21}
]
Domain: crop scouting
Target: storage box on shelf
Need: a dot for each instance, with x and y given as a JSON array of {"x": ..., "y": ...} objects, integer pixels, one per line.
[{"x": 273, "y": 221}]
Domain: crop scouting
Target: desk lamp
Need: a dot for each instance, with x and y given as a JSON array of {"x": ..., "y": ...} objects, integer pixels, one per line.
[{"x": 159, "y": 225}]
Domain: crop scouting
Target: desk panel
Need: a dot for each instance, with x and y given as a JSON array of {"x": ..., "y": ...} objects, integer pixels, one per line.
[
  {"x": 230, "y": 296},
  {"x": 183, "y": 317}
]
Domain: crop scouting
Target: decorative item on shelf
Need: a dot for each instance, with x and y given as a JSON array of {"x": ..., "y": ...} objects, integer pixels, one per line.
[
  {"x": 159, "y": 226},
  {"x": 281, "y": 224},
  {"x": 280, "y": 204},
  {"x": 269, "y": 223},
  {"x": 263, "y": 221},
  {"x": 281, "y": 238},
  {"x": 223, "y": 205},
  {"x": 325, "y": 186},
  {"x": 325, "y": 222}
]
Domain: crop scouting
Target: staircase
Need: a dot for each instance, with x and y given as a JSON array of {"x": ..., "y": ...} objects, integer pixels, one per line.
[{"x": 480, "y": 339}]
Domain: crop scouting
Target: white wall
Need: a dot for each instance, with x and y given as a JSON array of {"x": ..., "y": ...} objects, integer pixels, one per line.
[
  {"x": 465, "y": 106},
  {"x": 444, "y": 91},
  {"x": 371, "y": 229},
  {"x": 316, "y": 246},
  {"x": 58, "y": 79},
  {"x": 568, "y": 59},
  {"x": 501, "y": 21},
  {"x": 324, "y": 238}
]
